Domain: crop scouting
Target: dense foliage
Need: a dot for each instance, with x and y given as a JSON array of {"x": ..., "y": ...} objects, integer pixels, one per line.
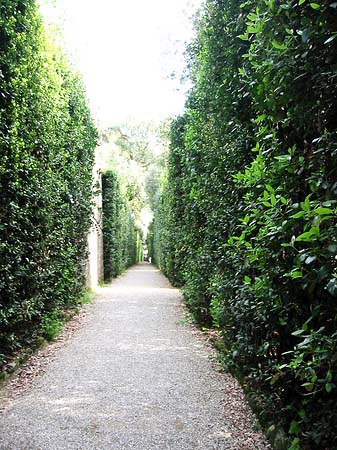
[
  {"x": 137, "y": 151},
  {"x": 133, "y": 155},
  {"x": 47, "y": 147},
  {"x": 247, "y": 218},
  {"x": 122, "y": 246}
]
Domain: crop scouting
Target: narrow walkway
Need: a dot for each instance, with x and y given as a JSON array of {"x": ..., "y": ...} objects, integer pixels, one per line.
[{"x": 133, "y": 377}]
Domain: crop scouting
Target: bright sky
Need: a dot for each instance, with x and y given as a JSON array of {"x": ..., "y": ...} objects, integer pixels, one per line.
[{"x": 126, "y": 51}]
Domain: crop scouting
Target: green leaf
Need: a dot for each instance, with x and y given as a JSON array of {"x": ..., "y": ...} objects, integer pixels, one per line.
[
  {"x": 315, "y": 5},
  {"x": 283, "y": 158},
  {"x": 297, "y": 332},
  {"x": 296, "y": 274},
  {"x": 278, "y": 45},
  {"x": 302, "y": 413},
  {"x": 329, "y": 387},
  {"x": 305, "y": 237},
  {"x": 251, "y": 16},
  {"x": 309, "y": 386},
  {"x": 323, "y": 211},
  {"x": 247, "y": 279},
  {"x": 306, "y": 204},
  {"x": 252, "y": 30},
  {"x": 295, "y": 444},
  {"x": 314, "y": 379},
  {"x": 308, "y": 236},
  {"x": 294, "y": 428},
  {"x": 301, "y": 2},
  {"x": 298, "y": 215},
  {"x": 275, "y": 378}
]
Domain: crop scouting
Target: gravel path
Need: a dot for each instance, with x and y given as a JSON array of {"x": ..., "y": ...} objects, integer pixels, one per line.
[{"x": 134, "y": 376}]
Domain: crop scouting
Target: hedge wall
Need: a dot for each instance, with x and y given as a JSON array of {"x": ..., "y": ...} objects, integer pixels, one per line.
[
  {"x": 47, "y": 147},
  {"x": 121, "y": 242},
  {"x": 247, "y": 218}
]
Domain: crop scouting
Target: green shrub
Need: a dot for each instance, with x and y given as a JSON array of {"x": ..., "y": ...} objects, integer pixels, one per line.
[
  {"x": 51, "y": 326},
  {"x": 121, "y": 241},
  {"x": 47, "y": 149},
  {"x": 247, "y": 218}
]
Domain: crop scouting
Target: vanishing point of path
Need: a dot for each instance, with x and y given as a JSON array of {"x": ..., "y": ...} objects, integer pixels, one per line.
[{"x": 134, "y": 376}]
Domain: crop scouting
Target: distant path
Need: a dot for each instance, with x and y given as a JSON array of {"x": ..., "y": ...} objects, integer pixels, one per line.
[{"x": 133, "y": 377}]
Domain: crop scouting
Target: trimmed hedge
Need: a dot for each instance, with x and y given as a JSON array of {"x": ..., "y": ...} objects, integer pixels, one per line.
[
  {"x": 47, "y": 149},
  {"x": 121, "y": 242},
  {"x": 247, "y": 218}
]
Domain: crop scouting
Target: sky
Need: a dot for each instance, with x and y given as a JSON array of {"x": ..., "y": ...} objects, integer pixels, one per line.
[{"x": 127, "y": 51}]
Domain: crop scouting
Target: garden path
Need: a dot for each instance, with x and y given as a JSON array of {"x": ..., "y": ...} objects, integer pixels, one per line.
[{"x": 136, "y": 375}]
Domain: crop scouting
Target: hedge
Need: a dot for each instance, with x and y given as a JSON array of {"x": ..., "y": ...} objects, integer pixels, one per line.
[
  {"x": 247, "y": 217},
  {"x": 47, "y": 149},
  {"x": 121, "y": 242}
]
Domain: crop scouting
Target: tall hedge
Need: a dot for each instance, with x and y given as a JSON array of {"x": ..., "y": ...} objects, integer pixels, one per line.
[
  {"x": 121, "y": 242},
  {"x": 47, "y": 148},
  {"x": 247, "y": 218}
]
